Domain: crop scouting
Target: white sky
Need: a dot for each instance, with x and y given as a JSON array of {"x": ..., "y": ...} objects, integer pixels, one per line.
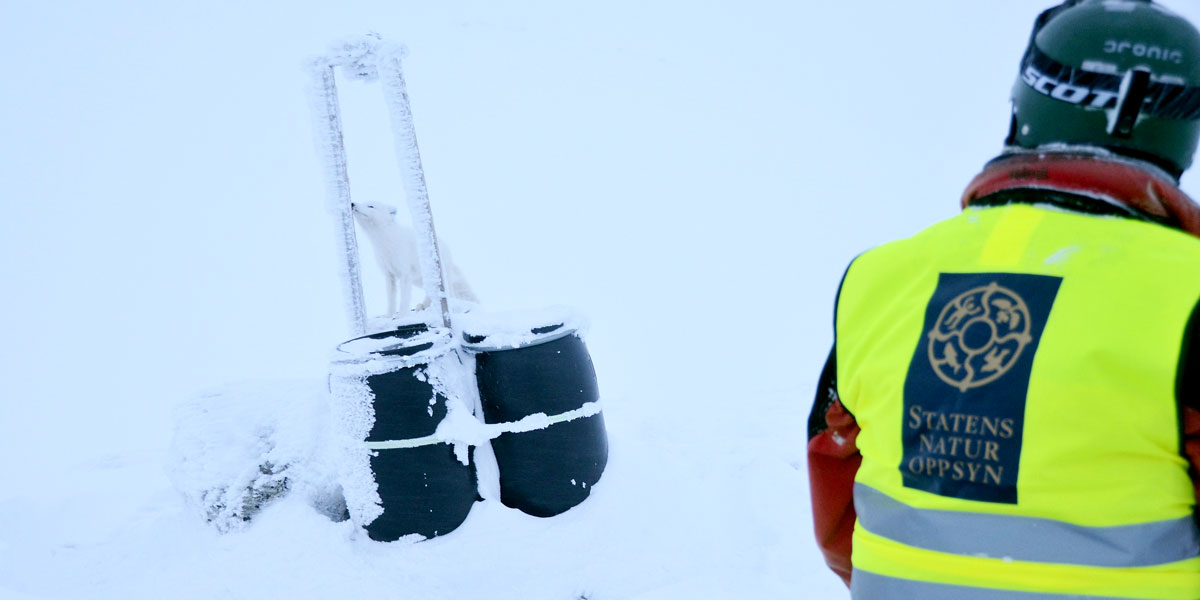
[{"x": 694, "y": 176}]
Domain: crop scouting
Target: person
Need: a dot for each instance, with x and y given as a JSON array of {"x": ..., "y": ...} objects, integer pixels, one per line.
[{"x": 1010, "y": 408}]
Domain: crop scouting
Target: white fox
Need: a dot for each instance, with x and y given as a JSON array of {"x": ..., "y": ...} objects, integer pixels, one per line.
[{"x": 396, "y": 252}]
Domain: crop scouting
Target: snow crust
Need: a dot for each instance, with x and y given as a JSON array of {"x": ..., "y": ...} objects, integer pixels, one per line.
[{"x": 516, "y": 328}]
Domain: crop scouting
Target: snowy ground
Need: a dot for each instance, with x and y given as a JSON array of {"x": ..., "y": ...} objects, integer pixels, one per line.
[{"x": 691, "y": 176}]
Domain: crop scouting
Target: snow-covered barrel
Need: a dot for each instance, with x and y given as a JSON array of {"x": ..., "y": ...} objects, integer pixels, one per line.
[
  {"x": 390, "y": 408},
  {"x": 537, "y": 363}
]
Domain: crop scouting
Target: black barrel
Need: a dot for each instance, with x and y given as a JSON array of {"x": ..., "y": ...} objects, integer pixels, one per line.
[
  {"x": 543, "y": 472},
  {"x": 424, "y": 489}
]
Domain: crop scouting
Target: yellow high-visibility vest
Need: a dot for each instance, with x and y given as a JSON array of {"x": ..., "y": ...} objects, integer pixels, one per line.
[{"x": 1013, "y": 371}]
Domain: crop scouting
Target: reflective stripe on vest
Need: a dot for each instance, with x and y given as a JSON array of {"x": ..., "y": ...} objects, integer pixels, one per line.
[
  {"x": 1026, "y": 538},
  {"x": 870, "y": 586}
]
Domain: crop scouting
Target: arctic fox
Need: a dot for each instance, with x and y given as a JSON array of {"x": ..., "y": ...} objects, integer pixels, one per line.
[{"x": 396, "y": 252}]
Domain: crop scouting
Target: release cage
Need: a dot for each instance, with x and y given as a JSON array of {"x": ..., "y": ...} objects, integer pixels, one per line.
[{"x": 531, "y": 391}]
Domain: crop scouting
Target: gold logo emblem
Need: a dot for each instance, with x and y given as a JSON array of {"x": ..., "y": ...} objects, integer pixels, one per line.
[{"x": 978, "y": 336}]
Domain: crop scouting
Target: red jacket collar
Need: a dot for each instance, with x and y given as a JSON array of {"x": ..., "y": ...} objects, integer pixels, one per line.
[{"x": 1111, "y": 180}]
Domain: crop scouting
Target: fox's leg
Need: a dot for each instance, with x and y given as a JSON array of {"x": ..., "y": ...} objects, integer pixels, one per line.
[
  {"x": 390, "y": 283},
  {"x": 405, "y": 293}
]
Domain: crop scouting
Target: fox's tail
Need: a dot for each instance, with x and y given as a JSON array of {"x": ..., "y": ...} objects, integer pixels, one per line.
[{"x": 457, "y": 284}]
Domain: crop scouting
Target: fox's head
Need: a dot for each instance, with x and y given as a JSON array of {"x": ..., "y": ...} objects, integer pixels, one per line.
[{"x": 374, "y": 213}]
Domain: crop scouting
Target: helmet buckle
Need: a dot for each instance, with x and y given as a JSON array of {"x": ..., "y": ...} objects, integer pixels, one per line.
[{"x": 1132, "y": 95}]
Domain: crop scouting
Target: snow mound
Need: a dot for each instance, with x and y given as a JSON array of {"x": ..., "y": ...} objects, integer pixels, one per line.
[{"x": 238, "y": 447}]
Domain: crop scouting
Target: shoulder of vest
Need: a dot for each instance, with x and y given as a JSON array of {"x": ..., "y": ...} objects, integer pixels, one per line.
[
  {"x": 838, "y": 296},
  {"x": 1075, "y": 203}
]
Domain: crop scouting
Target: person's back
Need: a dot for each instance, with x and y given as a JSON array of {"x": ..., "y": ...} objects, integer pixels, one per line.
[{"x": 1011, "y": 390}]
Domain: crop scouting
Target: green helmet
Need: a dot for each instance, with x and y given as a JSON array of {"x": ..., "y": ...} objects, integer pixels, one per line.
[{"x": 1118, "y": 74}]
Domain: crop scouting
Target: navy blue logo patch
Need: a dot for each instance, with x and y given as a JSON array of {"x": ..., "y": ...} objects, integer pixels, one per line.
[{"x": 964, "y": 397}]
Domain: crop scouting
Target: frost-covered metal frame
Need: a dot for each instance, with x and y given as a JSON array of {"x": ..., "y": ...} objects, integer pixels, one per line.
[{"x": 369, "y": 58}]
